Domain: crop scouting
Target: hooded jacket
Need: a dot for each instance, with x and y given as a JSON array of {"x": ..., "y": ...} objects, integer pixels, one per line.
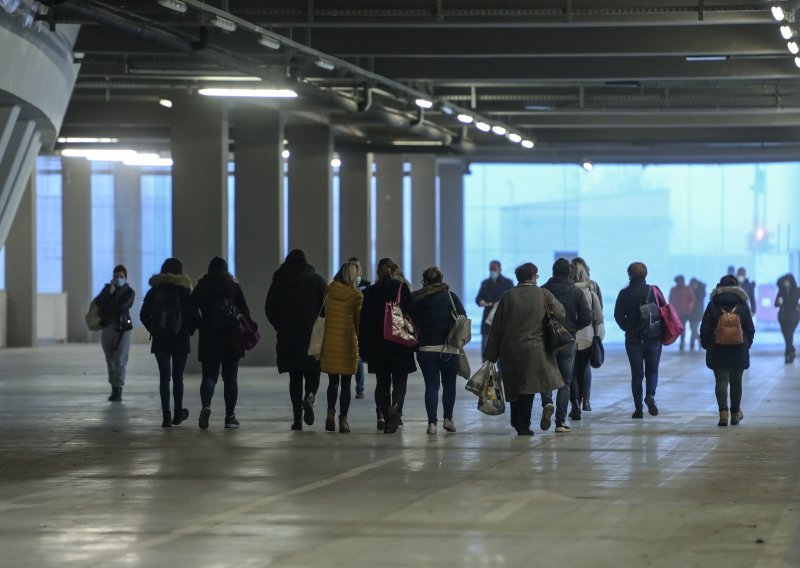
[
  {"x": 578, "y": 314},
  {"x": 586, "y": 334},
  {"x": 433, "y": 313},
  {"x": 727, "y": 356},
  {"x": 340, "y": 342},
  {"x": 181, "y": 286},
  {"x": 213, "y": 345}
]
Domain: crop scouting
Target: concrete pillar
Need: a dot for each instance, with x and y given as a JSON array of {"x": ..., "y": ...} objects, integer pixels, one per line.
[
  {"x": 424, "y": 220},
  {"x": 451, "y": 223},
  {"x": 21, "y": 283},
  {"x": 128, "y": 230},
  {"x": 259, "y": 215},
  {"x": 389, "y": 207},
  {"x": 76, "y": 212},
  {"x": 355, "y": 209},
  {"x": 310, "y": 212}
]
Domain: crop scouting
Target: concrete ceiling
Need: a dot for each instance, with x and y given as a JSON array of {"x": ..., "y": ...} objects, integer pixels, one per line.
[{"x": 596, "y": 79}]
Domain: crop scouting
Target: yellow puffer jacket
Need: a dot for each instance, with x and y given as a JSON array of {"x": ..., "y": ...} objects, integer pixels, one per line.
[{"x": 340, "y": 343}]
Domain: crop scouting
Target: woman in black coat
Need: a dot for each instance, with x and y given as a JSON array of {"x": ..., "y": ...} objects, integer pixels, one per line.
[
  {"x": 787, "y": 302},
  {"x": 169, "y": 316},
  {"x": 214, "y": 294},
  {"x": 114, "y": 302},
  {"x": 294, "y": 301},
  {"x": 389, "y": 362},
  {"x": 728, "y": 361}
]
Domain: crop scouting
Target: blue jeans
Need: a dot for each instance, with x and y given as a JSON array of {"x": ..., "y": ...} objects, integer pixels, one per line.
[
  {"x": 230, "y": 373},
  {"x": 644, "y": 358},
  {"x": 171, "y": 366},
  {"x": 439, "y": 369},
  {"x": 565, "y": 358}
]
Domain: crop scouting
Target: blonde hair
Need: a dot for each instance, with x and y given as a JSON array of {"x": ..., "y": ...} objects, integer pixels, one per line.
[
  {"x": 348, "y": 273},
  {"x": 577, "y": 272}
]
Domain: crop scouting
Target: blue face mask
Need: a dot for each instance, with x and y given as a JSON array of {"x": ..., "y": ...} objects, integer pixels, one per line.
[
  {"x": 494, "y": 274},
  {"x": 119, "y": 282}
]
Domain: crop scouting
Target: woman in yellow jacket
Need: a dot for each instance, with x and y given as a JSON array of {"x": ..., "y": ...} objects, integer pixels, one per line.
[{"x": 339, "y": 357}]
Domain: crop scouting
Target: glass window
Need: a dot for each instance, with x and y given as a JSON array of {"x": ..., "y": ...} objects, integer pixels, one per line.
[
  {"x": 103, "y": 261},
  {"x": 156, "y": 223},
  {"x": 231, "y": 218}
]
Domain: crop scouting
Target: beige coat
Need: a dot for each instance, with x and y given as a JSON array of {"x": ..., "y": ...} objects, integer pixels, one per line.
[
  {"x": 585, "y": 336},
  {"x": 516, "y": 339},
  {"x": 340, "y": 343}
]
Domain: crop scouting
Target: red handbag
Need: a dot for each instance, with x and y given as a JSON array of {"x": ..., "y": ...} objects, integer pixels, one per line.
[
  {"x": 244, "y": 335},
  {"x": 397, "y": 326},
  {"x": 671, "y": 324}
]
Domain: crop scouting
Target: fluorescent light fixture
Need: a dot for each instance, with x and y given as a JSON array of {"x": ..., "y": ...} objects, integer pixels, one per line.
[
  {"x": 323, "y": 64},
  {"x": 465, "y": 118},
  {"x": 588, "y": 166},
  {"x": 786, "y": 32},
  {"x": 778, "y": 14},
  {"x": 793, "y": 47},
  {"x": 223, "y": 24},
  {"x": 447, "y": 110},
  {"x": 179, "y": 6},
  {"x": 694, "y": 58},
  {"x": 336, "y": 163},
  {"x": 251, "y": 93},
  {"x": 285, "y": 154},
  {"x": 424, "y": 103},
  {"x": 499, "y": 130},
  {"x": 515, "y": 138},
  {"x": 86, "y": 140},
  {"x": 527, "y": 144},
  {"x": 415, "y": 143},
  {"x": 267, "y": 41},
  {"x": 482, "y": 126},
  {"x": 153, "y": 160},
  {"x": 165, "y": 103},
  {"x": 101, "y": 155}
]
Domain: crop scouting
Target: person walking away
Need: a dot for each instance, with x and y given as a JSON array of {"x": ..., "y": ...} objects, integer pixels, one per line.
[
  {"x": 169, "y": 316},
  {"x": 683, "y": 299},
  {"x": 516, "y": 342},
  {"x": 642, "y": 340},
  {"x": 115, "y": 301},
  {"x": 699, "y": 289},
  {"x": 219, "y": 299},
  {"x": 339, "y": 358},
  {"x": 788, "y": 303},
  {"x": 491, "y": 290},
  {"x": 749, "y": 287},
  {"x": 434, "y": 310},
  {"x": 587, "y": 375},
  {"x": 579, "y": 392},
  {"x": 294, "y": 301},
  {"x": 390, "y": 362},
  {"x": 578, "y": 315},
  {"x": 361, "y": 286},
  {"x": 726, "y": 333}
]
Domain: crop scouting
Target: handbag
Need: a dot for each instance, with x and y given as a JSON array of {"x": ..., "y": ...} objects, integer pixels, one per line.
[
  {"x": 244, "y": 336},
  {"x": 598, "y": 353},
  {"x": 94, "y": 320},
  {"x": 124, "y": 322},
  {"x": 475, "y": 383},
  {"x": 318, "y": 333},
  {"x": 461, "y": 329},
  {"x": 397, "y": 326},
  {"x": 671, "y": 324},
  {"x": 492, "y": 401},
  {"x": 556, "y": 335},
  {"x": 463, "y": 366}
]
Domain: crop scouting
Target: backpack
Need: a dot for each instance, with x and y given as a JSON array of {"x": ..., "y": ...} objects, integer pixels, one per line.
[
  {"x": 166, "y": 315},
  {"x": 729, "y": 328},
  {"x": 649, "y": 318},
  {"x": 224, "y": 313}
]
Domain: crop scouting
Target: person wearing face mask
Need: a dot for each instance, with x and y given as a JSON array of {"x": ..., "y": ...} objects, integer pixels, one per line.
[
  {"x": 489, "y": 294},
  {"x": 788, "y": 304},
  {"x": 749, "y": 287},
  {"x": 115, "y": 301}
]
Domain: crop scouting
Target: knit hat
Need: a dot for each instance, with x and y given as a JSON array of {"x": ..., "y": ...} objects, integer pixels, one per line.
[
  {"x": 218, "y": 265},
  {"x": 561, "y": 267}
]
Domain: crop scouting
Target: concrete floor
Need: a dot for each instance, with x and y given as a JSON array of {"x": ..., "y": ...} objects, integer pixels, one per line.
[{"x": 84, "y": 482}]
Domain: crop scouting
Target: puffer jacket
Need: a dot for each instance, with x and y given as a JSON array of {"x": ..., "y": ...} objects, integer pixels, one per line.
[
  {"x": 340, "y": 343},
  {"x": 727, "y": 356}
]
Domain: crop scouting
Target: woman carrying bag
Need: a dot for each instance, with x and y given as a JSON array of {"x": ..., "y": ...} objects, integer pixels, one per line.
[
  {"x": 585, "y": 340},
  {"x": 114, "y": 303}
]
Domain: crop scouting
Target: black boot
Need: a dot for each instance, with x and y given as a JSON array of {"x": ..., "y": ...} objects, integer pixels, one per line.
[
  {"x": 180, "y": 416},
  {"x": 298, "y": 419},
  {"x": 116, "y": 394},
  {"x": 167, "y": 422}
]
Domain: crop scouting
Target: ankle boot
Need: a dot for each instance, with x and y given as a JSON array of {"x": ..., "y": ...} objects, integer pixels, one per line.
[
  {"x": 344, "y": 426},
  {"x": 587, "y": 406},
  {"x": 330, "y": 420},
  {"x": 298, "y": 419},
  {"x": 723, "y": 418},
  {"x": 116, "y": 394},
  {"x": 167, "y": 422}
]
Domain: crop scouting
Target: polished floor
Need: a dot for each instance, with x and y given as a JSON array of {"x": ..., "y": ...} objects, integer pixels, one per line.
[{"x": 85, "y": 482}]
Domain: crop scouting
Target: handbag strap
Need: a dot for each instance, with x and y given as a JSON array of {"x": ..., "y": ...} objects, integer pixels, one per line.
[
  {"x": 322, "y": 307},
  {"x": 452, "y": 303},
  {"x": 594, "y": 321},
  {"x": 544, "y": 301},
  {"x": 399, "y": 293}
]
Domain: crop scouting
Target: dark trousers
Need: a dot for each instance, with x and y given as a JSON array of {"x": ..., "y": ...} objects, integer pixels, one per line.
[
  {"x": 360, "y": 376},
  {"x": 171, "y": 367},
  {"x": 732, "y": 377},
  {"x": 787, "y": 329},
  {"x": 644, "y": 357},
  {"x": 581, "y": 376},
  {"x": 230, "y": 377},
  {"x": 296, "y": 381},
  {"x": 438, "y": 368},
  {"x": 694, "y": 323},
  {"x": 390, "y": 390},
  {"x": 521, "y": 412},
  {"x": 686, "y": 325},
  {"x": 333, "y": 392},
  {"x": 565, "y": 359}
]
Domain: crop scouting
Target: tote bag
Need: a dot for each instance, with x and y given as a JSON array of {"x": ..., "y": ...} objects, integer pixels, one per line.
[
  {"x": 461, "y": 329},
  {"x": 671, "y": 325},
  {"x": 397, "y": 326},
  {"x": 93, "y": 319},
  {"x": 597, "y": 355},
  {"x": 318, "y": 333},
  {"x": 556, "y": 335}
]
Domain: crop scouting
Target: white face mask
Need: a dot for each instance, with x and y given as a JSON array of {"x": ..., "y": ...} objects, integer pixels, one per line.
[
  {"x": 358, "y": 281},
  {"x": 120, "y": 282},
  {"x": 494, "y": 275},
  {"x": 740, "y": 278}
]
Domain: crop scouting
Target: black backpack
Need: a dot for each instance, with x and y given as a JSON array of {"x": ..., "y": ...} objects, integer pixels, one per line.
[
  {"x": 649, "y": 318},
  {"x": 167, "y": 315},
  {"x": 224, "y": 313}
]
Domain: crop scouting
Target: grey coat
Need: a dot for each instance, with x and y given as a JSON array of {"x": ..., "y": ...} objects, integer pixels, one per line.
[{"x": 517, "y": 340}]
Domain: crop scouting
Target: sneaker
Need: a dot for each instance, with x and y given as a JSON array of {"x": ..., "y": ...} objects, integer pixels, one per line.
[
  {"x": 547, "y": 414},
  {"x": 638, "y": 413},
  {"x": 449, "y": 425},
  {"x": 381, "y": 424},
  {"x": 204, "y": 414},
  {"x": 652, "y": 409},
  {"x": 308, "y": 409},
  {"x": 562, "y": 427},
  {"x": 392, "y": 422},
  {"x": 231, "y": 422},
  {"x": 180, "y": 416},
  {"x": 736, "y": 417},
  {"x": 431, "y": 428}
]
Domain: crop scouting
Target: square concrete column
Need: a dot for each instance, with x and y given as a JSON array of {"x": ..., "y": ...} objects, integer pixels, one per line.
[
  {"x": 355, "y": 209},
  {"x": 389, "y": 207},
  {"x": 424, "y": 221},
  {"x": 128, "y": 230},
  {"x": 451, "y": 223},
  {"x": 21, "y": 285},
  {"x": 76, "y": 212},
  {"x": 310, "y": 211},
  {"x": 258, "y": 139}
]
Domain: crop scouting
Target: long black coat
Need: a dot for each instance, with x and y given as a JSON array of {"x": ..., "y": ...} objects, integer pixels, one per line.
[
  {"x": 380, "y": 355},
  {"x": 210, "y": 288},
  {"x": 490, "y": 292},
  {"x": 727, "y": 356},
  {"x": 114, "y": 305},
  {"x": 294, "y": 301},
  {"x": 181, "y": 285}
]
